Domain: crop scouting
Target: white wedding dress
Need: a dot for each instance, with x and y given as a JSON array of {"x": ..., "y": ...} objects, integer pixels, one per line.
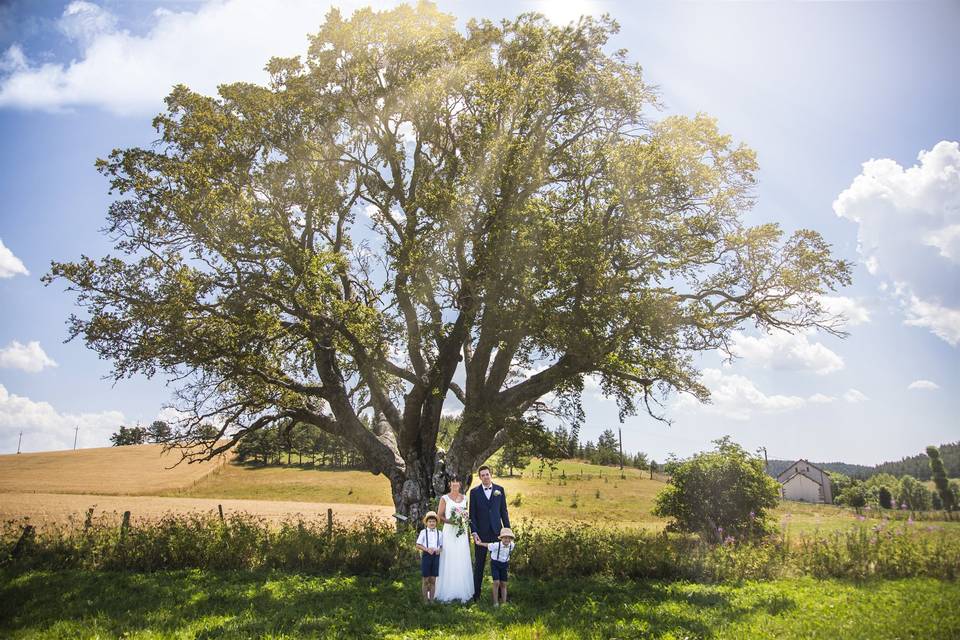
[{"x": 455, "y": 581}]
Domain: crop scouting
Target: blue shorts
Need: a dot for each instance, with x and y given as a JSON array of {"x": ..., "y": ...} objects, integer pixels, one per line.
[
  {"x": 498, "y": 570},
  {"x": 429, "y": 565}
]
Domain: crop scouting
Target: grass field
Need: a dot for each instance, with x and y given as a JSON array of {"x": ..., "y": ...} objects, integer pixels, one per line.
[
  {"x": 132, "y": 470},
  {"x": 203, "y": 604},
  {"x": 574, "y": 492}
]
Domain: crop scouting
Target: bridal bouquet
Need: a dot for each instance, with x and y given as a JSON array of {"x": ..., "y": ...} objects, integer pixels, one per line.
[{"x": 461, "y": 518}]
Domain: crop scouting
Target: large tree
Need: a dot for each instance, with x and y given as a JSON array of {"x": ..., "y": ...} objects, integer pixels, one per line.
[{"x": 414, "y": 215}]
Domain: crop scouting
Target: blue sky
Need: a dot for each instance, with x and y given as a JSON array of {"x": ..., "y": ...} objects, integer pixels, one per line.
[{"x": 853, "y": 109}]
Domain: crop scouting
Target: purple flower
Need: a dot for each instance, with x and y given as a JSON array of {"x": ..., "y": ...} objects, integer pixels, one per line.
[
  {"x": 861, "y": 518},
  {"x": 752, "y": 515},
  {"x": 910, "y": 520},
  {"x": 903, "y": 506},
  {"x": 729, "y": 540}
]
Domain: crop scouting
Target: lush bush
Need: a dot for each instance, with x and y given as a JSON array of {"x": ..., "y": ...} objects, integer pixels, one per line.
[
  {"x": 885, "y": 498},
  {"x": 884, "y": 550},
  {"x": 240, "y": 541},
  {"x": 913, "y": 494},
  {"x": 563, "y": 552},
  {"x": 717, "y": 494}
]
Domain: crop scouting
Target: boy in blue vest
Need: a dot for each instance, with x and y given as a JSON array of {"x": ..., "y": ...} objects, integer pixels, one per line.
[
  {"x": 499, "y": 563},
  {"x": 430, "y": 543}
]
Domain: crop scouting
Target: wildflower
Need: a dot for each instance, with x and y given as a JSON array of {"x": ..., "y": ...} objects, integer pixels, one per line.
[
  {"x": 729, "y": 540},
  {"x": 910, "y": 520},
  {"x": 861, "y": 518},
  {"x": 752, "y": 515}
]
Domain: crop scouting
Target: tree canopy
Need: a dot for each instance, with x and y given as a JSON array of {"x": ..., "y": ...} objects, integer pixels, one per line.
[{"x": 412, "y": 214}]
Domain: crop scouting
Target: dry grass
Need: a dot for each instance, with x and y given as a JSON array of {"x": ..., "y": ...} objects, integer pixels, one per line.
[
  {"x": 131, "y": 470},
  {"x": 65, "y": 509},
  {"x": 291, "y": 483}
]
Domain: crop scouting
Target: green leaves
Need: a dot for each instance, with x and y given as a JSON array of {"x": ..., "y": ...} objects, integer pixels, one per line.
[{"x": 409, "y": 196}]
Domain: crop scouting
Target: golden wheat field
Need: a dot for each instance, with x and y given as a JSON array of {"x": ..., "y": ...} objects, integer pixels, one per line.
[
  {"x": 59, "y": 487},
  {"x": 131, "y": 470}
]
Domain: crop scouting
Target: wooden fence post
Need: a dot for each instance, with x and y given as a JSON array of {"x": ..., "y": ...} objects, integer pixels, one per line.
[
  {"x": 25, "y": 538},
  {"x": 125, "y": 526},
  {"x": 329, "y": 522},
  {"x": 220, "y": 508},
  {"x": 88, "y": 521}
]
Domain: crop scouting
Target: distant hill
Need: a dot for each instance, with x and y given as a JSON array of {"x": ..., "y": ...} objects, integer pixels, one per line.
[{"x": 917, "y": 466}]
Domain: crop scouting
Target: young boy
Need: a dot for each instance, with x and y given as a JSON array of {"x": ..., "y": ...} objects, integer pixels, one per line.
[
  {"x": 430, "y": 542},
  {"x": 499, "y": 562}
]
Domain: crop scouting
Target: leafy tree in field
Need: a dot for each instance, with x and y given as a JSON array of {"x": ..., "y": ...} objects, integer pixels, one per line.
[
  {"x": 940, "y": 479},
  {"x": 129, "y": 435},
  {"x": 410, "y": 202},
  {"x": 884, "y": 498},
  {"x": 720, "y": 493},
  {"x": 914, "y": 494},
  {"x": 608, "y": 451},
  {"x": 159, "y": 431},
  {"x": 854, "y": 495},
  {"x": 839, "y": 483},
  {"x": 513, "y": 457},
  {"x": 955, "y": 491},
  {"x": 876, "y": 482}
]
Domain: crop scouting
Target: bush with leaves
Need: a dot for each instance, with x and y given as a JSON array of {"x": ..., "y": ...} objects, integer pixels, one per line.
[
  {"x": 719, "y": 494},
  {"x": 885, "y": 498},
  {"x": 943, "y": 495}
]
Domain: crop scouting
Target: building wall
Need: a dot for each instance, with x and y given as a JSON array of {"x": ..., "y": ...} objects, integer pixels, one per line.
[{"x": 802, "y": 488}]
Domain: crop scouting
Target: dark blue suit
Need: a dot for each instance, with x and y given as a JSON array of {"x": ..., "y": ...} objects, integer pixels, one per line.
[{"x": 487, "y": 517}]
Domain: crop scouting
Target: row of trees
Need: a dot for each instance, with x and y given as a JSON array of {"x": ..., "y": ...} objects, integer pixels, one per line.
[
  {"x": 885, "y": 491},
  {"x": 283, "y": 442},
  {"x": 158, "y": 432},
  {"x": 562, "y": 443}
]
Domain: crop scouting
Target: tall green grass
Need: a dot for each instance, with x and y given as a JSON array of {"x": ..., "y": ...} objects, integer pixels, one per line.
[{"x": 243, "y": 542}]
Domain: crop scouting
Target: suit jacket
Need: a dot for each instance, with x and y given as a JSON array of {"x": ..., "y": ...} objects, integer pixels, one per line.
[{"x": 487, "y": 517}]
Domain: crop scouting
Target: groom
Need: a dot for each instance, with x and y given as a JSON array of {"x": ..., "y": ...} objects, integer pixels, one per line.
[{"x": 488, "y": 514}]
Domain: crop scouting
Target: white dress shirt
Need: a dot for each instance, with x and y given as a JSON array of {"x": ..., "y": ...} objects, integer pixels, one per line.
[
  {"x": 430, "y": 538},
  {"x": 500, "y": 551}
]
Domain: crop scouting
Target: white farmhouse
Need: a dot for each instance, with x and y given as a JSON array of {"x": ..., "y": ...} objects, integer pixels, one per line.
[{"x": 805, "y": 482}]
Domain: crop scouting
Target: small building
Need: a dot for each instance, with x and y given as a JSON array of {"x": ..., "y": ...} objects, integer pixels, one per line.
[{"x": 805, "y": 482}]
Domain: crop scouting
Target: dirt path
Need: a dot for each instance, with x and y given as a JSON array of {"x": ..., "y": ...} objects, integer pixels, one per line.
[{"x": 46, "y": 508}]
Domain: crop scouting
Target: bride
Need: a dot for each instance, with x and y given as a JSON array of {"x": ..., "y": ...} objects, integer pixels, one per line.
[{"x": 455, "y": 581}]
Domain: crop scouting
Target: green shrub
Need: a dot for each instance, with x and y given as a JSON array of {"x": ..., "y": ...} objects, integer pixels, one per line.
[{"x": 720, "y": 493}]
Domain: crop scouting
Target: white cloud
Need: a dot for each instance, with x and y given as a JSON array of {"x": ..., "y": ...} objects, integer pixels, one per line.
[
  {"x": 28, "y": 357},
  {"x": 923, "y": 384},
  {"x": 942, "y": 321},
  {"x": 782, "y": 350},
  {"x": 819, "y": 398},
  {"x": 127, "y": 73},
  {"x": 563, "y": 12},
  {"x": 13, "y": 59},
  {"x": 84, "y": 21},
  {"x": 852, "y": 311},
  {"x": 736, "y": 397},
  {"x": 10, "y": 265},
  {"x": 854, "y": 396},
  {"x": 908, "y": 231},
  {"x": 46, "y": 429}
]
